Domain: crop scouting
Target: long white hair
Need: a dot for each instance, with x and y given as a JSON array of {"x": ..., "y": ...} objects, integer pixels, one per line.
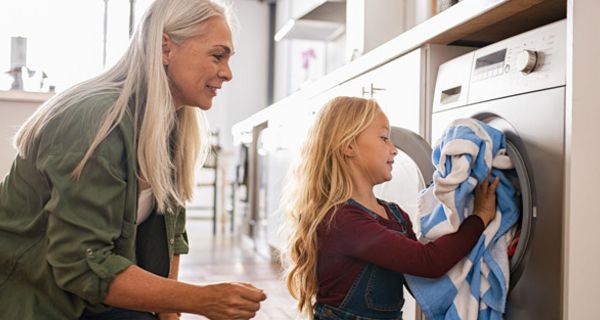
[{"x": 169, "y": 141}]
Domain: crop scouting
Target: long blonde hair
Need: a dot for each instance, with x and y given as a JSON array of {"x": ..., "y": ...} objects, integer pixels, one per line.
[
  {"x": 320, "y": 182},
  {"x": 158, "y": 126}
]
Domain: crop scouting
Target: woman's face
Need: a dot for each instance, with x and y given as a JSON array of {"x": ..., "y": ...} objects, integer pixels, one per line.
[{"x": 199, "y": 66}]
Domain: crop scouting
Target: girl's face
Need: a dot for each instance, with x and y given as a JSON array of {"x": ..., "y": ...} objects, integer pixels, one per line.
[
  {"x": 374, "y": 152},
  {"x": 199, "y": 66}
]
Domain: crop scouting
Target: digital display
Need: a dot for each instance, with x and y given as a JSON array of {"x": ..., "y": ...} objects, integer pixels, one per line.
[{"x": 491, "y": 59}]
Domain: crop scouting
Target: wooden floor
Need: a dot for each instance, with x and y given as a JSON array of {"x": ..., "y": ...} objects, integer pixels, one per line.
[{"x": 228, "y": 257}]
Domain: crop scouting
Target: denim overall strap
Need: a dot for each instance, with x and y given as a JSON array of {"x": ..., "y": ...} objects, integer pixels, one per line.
[
  {"x": 397, "y": 214},
  {"x": 393, "y": 209},
  {"x": 377, "y": 293}
]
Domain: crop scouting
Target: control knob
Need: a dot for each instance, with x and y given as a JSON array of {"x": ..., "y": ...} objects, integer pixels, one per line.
[{"x": 527, "y": 61}]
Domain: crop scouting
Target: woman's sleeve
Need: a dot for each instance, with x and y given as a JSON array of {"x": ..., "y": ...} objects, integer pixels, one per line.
[
  {"x": 181, "y": 240},
  {"x": 85, "y": 217},
  {"x": 358, "y": 235}
]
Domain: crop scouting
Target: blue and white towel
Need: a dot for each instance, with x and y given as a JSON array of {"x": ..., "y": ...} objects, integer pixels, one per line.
[{"x": 477, "y": 287}]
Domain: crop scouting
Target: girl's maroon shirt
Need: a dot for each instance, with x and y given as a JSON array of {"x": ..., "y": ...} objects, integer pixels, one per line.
[{"x": 355, "y": 238}]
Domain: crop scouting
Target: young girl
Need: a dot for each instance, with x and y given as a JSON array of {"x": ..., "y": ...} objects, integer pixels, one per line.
[{"x": 348, "y": 250}]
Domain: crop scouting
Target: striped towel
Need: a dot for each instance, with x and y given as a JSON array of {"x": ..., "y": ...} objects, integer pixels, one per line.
[{"x": 477, "y": 287}]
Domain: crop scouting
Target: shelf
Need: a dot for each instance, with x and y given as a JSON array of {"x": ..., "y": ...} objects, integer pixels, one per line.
[
  {"x": 322, "y": 20},
  {"x": 506, "y": 20}
]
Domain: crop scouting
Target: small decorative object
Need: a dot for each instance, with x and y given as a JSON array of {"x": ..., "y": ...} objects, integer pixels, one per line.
[
  {"x": 18, "y": 60},
  {"x": 307, "y": 56}
]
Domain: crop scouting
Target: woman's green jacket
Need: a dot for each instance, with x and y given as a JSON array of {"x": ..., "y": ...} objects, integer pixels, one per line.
[{"x": 63, "y": 240}]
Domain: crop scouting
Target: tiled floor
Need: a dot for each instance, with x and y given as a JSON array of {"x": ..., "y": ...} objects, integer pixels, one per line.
[{"x": 227, "y": 257}]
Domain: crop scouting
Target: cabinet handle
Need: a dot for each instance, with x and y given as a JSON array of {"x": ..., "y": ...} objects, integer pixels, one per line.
[
  {"x": 373, "y": 90},
  {"x": 370, "y": 91},
  {"x": 364, "y": 92}
]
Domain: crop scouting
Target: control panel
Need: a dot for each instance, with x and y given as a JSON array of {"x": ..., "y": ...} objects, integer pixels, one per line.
[{"x": 531, "y": 61}]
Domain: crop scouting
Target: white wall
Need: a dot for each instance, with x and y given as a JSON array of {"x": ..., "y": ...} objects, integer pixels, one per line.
[{"x": 582, "y": 220}]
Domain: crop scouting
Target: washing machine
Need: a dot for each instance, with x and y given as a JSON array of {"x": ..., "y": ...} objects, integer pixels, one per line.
[{"x": 517, "y": 86}]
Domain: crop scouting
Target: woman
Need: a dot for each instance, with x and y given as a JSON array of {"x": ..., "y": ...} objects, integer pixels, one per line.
[{"x": 91, "y": 214}]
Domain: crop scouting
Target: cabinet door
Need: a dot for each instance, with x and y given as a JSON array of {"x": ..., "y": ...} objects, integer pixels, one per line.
[
  {"x": 280, "y": 158},
  {"x": 397, "y": 87}
]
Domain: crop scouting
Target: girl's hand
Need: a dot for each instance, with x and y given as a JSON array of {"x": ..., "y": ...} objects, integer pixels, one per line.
[{"x": 485, "y": 200}]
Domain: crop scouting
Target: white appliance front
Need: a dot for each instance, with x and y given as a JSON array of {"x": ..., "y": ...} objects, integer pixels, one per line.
[{"x": 517, "y": 86}]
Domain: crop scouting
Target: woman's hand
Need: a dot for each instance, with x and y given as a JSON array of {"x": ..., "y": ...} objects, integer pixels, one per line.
[
  {"x": 485, "y": 200},
  {"x": 169, "y": 316},
  {"x": 234, "y": 300}
]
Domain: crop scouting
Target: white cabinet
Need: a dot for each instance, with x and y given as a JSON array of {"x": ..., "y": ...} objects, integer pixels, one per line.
[
  {"x": 373, "y": 23},
  {"x": 397, "y": 88},
  {"x": 282, "y": 140},
  {"x": 404, "y": 86}
]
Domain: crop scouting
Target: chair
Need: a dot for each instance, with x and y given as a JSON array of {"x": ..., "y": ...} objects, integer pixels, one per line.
[{"x": 212, "y": 165}]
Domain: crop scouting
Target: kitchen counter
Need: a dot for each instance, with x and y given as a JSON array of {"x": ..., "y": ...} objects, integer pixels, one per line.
[{"x": 23, "y": 96}]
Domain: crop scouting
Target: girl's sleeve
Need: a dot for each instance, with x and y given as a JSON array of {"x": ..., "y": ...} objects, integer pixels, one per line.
[{"x": 356, "y": 234}]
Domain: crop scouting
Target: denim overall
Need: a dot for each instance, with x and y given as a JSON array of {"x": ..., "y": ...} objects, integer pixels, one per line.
[{"x": 377, "y": 293}]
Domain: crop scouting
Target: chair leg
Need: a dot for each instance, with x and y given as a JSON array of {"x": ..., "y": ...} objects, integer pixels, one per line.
[
  {"x": 215, "y": 198},
  {"x": 232, "y": 213}
]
